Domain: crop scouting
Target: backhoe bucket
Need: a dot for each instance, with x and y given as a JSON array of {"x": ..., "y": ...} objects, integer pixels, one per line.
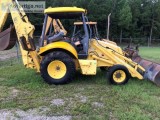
[
  {"x": 8, "y": 39},
  {"x": 152, "y": 69}
]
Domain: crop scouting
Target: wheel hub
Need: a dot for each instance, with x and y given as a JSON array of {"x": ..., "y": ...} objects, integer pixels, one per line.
[
  {"x": 57, "y": 69},
  {"x": 119, "y": 76}
]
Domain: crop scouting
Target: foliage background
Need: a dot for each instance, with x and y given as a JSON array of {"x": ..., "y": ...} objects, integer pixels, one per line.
[{"x": 130, "y": 18}]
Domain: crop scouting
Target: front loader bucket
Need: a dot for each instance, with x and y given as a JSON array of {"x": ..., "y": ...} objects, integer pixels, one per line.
[
  {"x": 8, "y": 39},
  {"x": 152, "y": 69}
]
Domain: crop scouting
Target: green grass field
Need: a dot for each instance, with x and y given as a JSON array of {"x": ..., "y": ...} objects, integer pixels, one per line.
[{"x": 87, "y": 97}]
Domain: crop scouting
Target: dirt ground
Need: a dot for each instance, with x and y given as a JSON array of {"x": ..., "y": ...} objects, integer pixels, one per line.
[{"x": 8, "y": 54}]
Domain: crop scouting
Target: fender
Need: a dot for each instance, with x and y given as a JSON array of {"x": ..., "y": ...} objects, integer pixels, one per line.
[{"x": 58, "y": 45}]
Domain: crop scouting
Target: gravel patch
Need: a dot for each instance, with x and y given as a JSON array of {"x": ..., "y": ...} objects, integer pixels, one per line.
[
  {"x": 58, "y": 102},
  {"x": 1, "y": 79},
  {"x": 97, "y": 104},
  {"x": 6, "y": 115},
  {"x": 28, "y": 115},
  {"x": 7, "y": 56},
  {"x": 83, "y": 99},
  {"x": 14, "y": 92}
]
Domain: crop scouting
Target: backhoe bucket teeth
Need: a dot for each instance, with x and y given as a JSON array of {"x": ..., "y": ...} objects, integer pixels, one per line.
[
  {"x": 8, "y": 39},
  {"x": 152, "y": 69}
]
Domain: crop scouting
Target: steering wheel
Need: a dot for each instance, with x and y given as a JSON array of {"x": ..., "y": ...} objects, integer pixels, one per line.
[
  {"x": 78, "y": 33},
  {"x": 78, "y": 36}
]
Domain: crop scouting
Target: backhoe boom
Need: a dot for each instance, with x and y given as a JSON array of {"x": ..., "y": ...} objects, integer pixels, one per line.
[{"x": 24, "y": 31}]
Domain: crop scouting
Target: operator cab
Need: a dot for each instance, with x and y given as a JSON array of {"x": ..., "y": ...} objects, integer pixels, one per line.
[{"x": 53, "y": 30}]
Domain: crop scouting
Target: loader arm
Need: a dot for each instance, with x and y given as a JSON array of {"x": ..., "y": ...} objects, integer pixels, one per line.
[{"x": 24, "y": 31}]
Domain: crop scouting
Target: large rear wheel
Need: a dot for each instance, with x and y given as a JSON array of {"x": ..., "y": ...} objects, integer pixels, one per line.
[
  {"x": 57, "y": 68},
  {"x": 118, "y": 75}
]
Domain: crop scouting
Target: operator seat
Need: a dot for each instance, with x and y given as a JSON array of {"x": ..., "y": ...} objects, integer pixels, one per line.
[
  {"x": 56, "y": 37},
  {"x": 60, "y": 37}
]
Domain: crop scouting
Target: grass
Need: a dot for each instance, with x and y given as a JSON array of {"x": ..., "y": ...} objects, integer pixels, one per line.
[
  {"x": 151, "y": 53},
  {"x": 137, "y": 100}
]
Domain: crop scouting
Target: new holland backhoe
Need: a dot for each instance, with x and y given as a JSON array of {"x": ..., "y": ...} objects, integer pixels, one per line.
[{"x": 59, "y": 56}]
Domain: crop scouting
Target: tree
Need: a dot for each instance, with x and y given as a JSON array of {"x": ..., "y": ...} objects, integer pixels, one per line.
[
  {"x": 137, "y": 18},
  {"x": 125, "y": 16},
  {"x": 136, "y": 13}
]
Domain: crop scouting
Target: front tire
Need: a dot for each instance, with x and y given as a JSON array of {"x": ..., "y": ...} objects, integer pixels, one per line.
[
  {"x": 57, "y": 68},
  {"x": 118, "y": 75}
]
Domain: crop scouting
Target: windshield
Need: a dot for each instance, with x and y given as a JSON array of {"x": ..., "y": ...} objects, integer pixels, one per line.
[{"x": 91, "y": 27}]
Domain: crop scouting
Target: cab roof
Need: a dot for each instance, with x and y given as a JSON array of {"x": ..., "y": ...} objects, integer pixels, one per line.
[{"x": 64, "y": 10}]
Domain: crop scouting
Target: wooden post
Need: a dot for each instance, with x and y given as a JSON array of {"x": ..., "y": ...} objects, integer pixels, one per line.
[
  {"x": 120, "y": 37},
  {"x": 108, "y": 26},
  {"x": 148, "y": 42},
  {"x": 130, "y": 43}
]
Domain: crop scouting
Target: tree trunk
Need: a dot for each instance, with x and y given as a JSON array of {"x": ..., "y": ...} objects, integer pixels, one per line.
[
  {"x": 151, "y": 32},
  {"x": 148, "y": 39},
  {"x": 152, "y": 24},
  {"x": 130, "y": 42},
  {"x": 120, "y": 40}
]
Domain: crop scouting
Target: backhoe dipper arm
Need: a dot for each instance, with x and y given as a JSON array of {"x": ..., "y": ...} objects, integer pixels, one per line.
[
  {"x": 3, "y": 13},
  {"x": 24, "y": 30}
]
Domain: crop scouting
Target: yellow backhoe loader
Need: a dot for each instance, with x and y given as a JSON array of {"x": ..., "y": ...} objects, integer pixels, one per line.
[{"x": 59, "y": 56}]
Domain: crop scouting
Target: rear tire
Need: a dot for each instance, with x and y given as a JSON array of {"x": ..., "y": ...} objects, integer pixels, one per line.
[
  {"x": 118, "y": 75},
  {"x": 57, "y": 68}
]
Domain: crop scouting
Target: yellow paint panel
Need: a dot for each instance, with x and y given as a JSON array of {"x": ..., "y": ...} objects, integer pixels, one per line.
[
  {"x": 61, "y": 45},
  {"x": 88, "y": 67}
]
